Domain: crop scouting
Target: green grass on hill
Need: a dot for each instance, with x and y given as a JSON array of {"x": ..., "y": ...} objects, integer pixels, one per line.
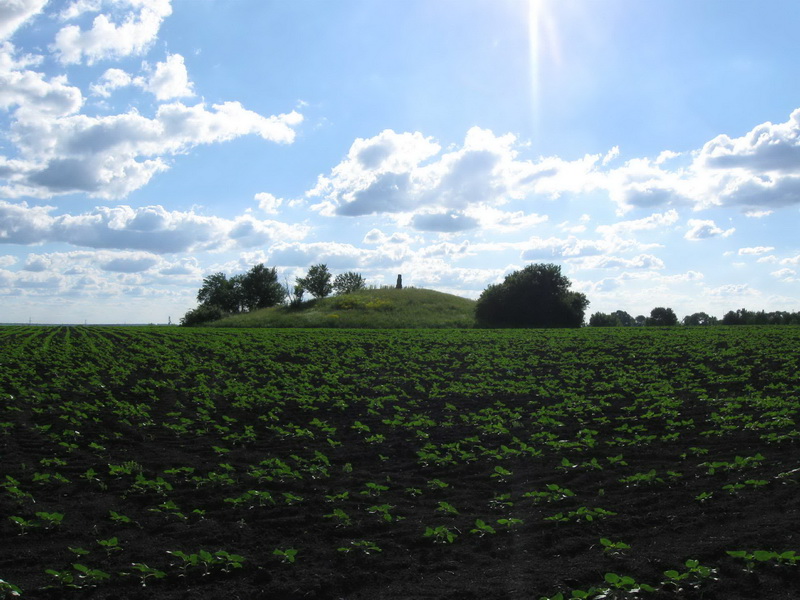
[{"x": 389, "y": 308}]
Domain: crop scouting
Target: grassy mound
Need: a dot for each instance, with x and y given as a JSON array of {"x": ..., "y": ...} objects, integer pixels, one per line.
[{"x": 390, "y": 308}]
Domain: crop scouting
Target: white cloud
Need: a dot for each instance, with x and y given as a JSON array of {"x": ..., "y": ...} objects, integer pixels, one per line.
[
  {"x": 150, "y": 228},
  {"x": 737, "y": 290},
  {"x": 29, "y": 93},
  {"x": 705, "y": 229},
  {"x": 642, "y": 261},
  {"x": 106, "y": 39},
  {"x": 755, "y": 250},
  {"x": 787, "y": 275},
  {"x": 14, "y": 13},
  {"x": 170, "y": 79},
  {"x": 111, "y": 156},
  {"x": 376, "y": 236},
  {"x": 111, "y": 80},
  {"x": 407, "y": 173},
  {"x": 268, "y": 203},
  {"x": 654, "y": 221}
]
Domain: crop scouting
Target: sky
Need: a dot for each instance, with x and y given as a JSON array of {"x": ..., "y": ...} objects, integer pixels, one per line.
[{"x": 651, "y": 149}]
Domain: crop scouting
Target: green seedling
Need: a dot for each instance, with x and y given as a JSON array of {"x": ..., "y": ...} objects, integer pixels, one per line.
[
  {"x": 143, "y": 572},
  {"x": 509, "y": 522},
  {"x": 364, "y": 546},
  {"x": 227, "y": 561},
  {"x": 501, "y": 501},
  {"x": 373, "y": 489},
  {"x": 341, "y": 517},
  {"x": 437, "y": 484},
  {"x": 78, "y": 551},
  {"x": 50, "y": 520},
  {"x": 64, "y": 578},
  {"x": 110, "y": 545},
  {"x": 481, "y": 528},
  {"x": 337, "y": 497},
  {"x": 693, "y": 577},
  {"x": 583, "y": 513},
  {"x": 704, "y": 496},
  {"x": 790, "y": 557},
  {"x": 24, "y": 524},
  {"x": 440, "y": 535},
  {"x": 614, "y": 548},
  {"x": 447, "y": 508},
  {"x": 642, "y": 478},
  {"x": 119, "y": 519},
  {"x": 9, "y": 590},
  {"x": 624, "y": 586},
  {"x": 554, "y": 493},
  {"x": 383, "y": 511},
  {"x": 501, "y": 473},
  {"x": 91, "y": 476},
  {"x": 287, "y": 556},
  {"x": 91, "y": 575}
]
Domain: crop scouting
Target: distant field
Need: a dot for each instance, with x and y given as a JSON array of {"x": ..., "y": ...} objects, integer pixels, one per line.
[{"x": 247, "y": 463}]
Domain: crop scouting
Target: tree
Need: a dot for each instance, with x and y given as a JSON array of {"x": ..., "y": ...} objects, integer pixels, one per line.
[
  {"x": 662, "y": 317},
  {"x": 260, "y": 288},
  {"x": 346, "y": 283},
  {"x": 536, "y": 296},
  {"x": 624, "y": 318},
  {"x": 317, "y": 281},
  {"x": 699, "y": 318},
  {"x": 218, "y": 291},
  {"x": 599, "y": 319}
]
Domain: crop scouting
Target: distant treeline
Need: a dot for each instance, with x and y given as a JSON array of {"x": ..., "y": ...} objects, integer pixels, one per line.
[{"x": 666, "y": 317}]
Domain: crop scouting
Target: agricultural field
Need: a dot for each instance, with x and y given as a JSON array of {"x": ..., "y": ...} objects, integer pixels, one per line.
[{"x": 237, "y": 463}]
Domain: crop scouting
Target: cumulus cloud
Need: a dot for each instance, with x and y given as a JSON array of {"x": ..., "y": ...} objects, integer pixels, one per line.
[
  {"x": 111, "y": 80},
  {"x": 133, "y": 34},
  {"x": 704, "y": 229},
  {"x": 410, "y": 173},
  {"x": 268, "y": 203},
  {"x": 168, "y": 80},
  {"x": 30, "y": 94},
  {"x": 407, "y": 172},
  {"x": 151, "y": 228},
  {"x": 111, "y": 156},
  {"x": 14, "y": 13}
]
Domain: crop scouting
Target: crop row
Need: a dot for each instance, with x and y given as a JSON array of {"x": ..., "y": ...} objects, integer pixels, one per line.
[{"x": 228, "y": 454}]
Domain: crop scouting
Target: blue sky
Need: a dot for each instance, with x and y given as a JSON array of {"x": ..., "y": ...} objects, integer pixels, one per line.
[{"x": 652, "y": 149}]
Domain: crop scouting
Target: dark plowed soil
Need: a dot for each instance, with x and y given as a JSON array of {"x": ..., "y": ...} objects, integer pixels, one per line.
[{"x": 356, "y": 508}]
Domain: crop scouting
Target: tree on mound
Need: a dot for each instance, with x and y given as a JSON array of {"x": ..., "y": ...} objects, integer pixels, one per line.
[
  {"x": 317, "y": 281},
  {"x": 347, "y": 283},
  {"x": 536, "y": 296}
]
